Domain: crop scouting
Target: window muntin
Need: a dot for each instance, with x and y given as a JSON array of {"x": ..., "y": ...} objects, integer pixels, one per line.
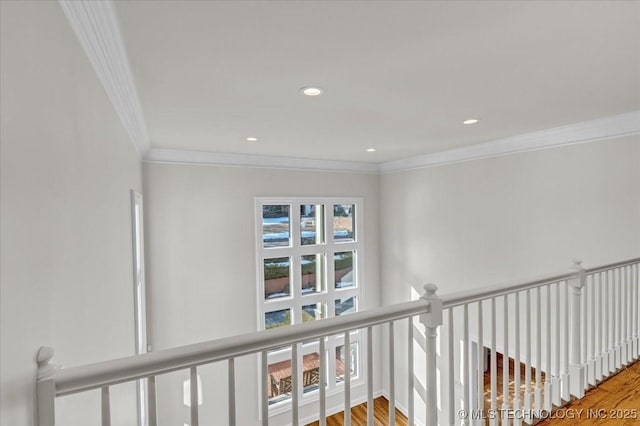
[
  {"x": 311, "y": 224},
  {"x": 309, "y": 258},
  {"x": 312, "y": 268}
]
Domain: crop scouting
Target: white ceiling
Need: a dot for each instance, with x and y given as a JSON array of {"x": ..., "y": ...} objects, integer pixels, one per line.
[{"x": 398, "y": 76}]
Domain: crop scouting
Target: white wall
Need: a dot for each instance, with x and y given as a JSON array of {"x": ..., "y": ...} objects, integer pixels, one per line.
[
  {"x": 484, "y": 222},
  {"x": 201, "y": 271},
  {"x": 67, "y": 168}
]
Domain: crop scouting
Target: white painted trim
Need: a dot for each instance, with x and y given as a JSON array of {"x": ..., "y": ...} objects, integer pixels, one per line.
[
  {"x": 211, "y": 158},
  {"x": 587, "y": 131},
  {"x": 96, "y": 25}
]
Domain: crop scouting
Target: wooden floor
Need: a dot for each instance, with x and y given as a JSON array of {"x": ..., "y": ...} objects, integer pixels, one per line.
[
  {"x": 619, "y": 395},
  {"x": 512, "y": 382},
  {"x": 359, "y": 415}
]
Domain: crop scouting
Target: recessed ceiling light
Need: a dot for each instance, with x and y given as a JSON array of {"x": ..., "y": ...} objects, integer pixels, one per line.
[
  {"x": 251, "y": 139},
  {"x": 471, "y": 121},
  {"x": 371, "y": 150},
  {"x": 311, "y": 91}
]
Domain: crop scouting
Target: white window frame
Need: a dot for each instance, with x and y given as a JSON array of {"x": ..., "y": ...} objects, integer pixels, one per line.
[
  {"x": 296, "y": 300},
  {"x": 139, "y": 299}
]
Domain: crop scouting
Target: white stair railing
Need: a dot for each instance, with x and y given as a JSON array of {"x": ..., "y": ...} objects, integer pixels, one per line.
[
  {"x": 54, "y": 383},
  {"x": 576, "y": 328}
]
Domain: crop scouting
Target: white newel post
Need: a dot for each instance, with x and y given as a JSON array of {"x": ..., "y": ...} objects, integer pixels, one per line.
[
  {"x": 46, "y": 387},
  {"x": 576, "y": 368},
  {"x": 431, "y": 321}
]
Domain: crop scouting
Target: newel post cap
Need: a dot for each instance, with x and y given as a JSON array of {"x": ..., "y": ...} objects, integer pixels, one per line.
[
  {"x": 430, "y": 291},
  {"x": 433, "y": 319},
  {"x": 45, "y": 354},
  {"x": 578, "y": 282},
  {"x": 45, "y": 369}
]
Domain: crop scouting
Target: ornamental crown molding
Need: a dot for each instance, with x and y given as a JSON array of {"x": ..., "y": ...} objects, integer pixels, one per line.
[
  {"x": 262, "y": 161},
  {"x": 96, "y": 26},
  {"x": 587, "y": 131}
]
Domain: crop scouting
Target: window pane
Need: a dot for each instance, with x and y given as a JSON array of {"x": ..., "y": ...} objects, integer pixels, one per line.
[
  {"x": 276, "y": 278},
  {"x": 343, "y": 269},
  {"x": 352, "y": 362},
  {"x": 279, "y": 381},
  {"x": 312, "y": 273},
  {"x": 277, "y": 319},
  {"x": 310, "y": 372},
  {"x": 343, "y": 225},
  {"x": 275, "y": 226},
  {"x": 311, "y": 224},
  {"x": 313, "y": 312},
  {"x": 345, "y": 306}
]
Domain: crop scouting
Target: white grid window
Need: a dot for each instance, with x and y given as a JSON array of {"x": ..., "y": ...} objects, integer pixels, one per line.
[{"x": 309, "y": 263}]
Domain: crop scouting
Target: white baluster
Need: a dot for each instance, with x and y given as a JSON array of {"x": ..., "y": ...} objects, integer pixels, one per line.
[
  {"x": 392, "y": 377},
  {"x": 576, "y": 368},
  {"x": 636, "y": 286},
  {"x": 465, "y": 363},
  {"x": 505, "y": 361},
  {"x": 566, "y": 395},
  {"x": 347, "y": 378},
  {"x": 584, "y": 304},
  {"x": 618, "y": 311},
  {"x": 548, "y": 378},
  {"x": 369, "y": 376},
  {"x": 599, "y": 324},
  {"x": 527, "y": 355},
  {"x": 628, "y": 314},
  {"x": 556, "y": 374},
  {"x": 46, "y": 387},
  {"x": 608, "y": 328},
  {"x": 431, "y": 321},
  {"x": 636, "y": 321},
  {"x": 632, "y": 314},
  {"x": 623, "y": 316},
  {"x": 480, "y": 361},
  {"x": 410, "y": 379},
  {"x": 591, "y": 312},
  {"x": 106, "y": 406},
  {"x": 538, "y": 390},
  {"x": 193, "y": 392},
  {"x": 153, "y": 401},
  {"x": 494, "y": 365},
  {"x": 231, "y": 373},
  {"x": 322, "y": 382},
  {"x": 451, "y": 370},
  {"x": 295, "y": 384},
  {"x": 264, "y": 373},
  {"x": 517, "y": 404}
]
